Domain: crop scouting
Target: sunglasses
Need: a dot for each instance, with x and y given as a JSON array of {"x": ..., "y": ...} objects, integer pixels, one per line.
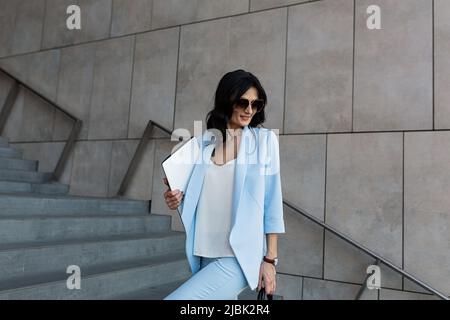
[{"x": 243, "y": 103}]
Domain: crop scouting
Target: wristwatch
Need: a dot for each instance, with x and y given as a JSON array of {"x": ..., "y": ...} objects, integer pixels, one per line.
[{"x": 272, "y": 261}]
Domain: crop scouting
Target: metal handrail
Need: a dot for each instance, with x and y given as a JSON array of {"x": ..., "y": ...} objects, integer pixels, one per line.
[
  {"x": 138, "y": 154},
  {"x": 7, "y": 108},
  {"x": 366, "y": 250}
]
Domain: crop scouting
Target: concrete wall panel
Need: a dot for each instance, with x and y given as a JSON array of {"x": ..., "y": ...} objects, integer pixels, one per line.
[
  {"x": 154, "y": 80},
  {"x": 427, "y": 217},
  {"x": 393, "y": 67},
  {"x": 319, "y": 67}
]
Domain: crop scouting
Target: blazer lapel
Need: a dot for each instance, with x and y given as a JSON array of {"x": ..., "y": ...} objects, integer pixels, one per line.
[
  {"x": 196, "y": 181},
  {"x": 240, "y": 172}
]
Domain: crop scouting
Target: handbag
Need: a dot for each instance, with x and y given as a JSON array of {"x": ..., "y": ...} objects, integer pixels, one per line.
[{"x": 263, "y": 296}]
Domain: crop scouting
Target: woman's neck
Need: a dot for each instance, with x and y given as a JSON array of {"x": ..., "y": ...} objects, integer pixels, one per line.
[{"x": 234, "y": 131}]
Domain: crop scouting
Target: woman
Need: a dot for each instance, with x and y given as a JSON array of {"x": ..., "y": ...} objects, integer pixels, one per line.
[{"x": 233, "y": 208}]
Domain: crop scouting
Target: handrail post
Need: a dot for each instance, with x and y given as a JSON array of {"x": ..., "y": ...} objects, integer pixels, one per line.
[
  {"x": 137, "y": 154},
  {"x": 364, "y": 284},
  {"x": 70, "y": 143},
  {"x": 9, "y": 103},
  {"x": 134, "y": 161}
]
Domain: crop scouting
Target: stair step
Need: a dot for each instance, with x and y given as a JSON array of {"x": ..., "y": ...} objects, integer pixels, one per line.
[
  {"x": 8, "y": 152},
  {"x": 153, "y": 292},
  {"x": 40, "y": 204},
  {"x": 101, "y": 282},
  {"x": 54, "y": 188},
  {"x": 24, "y": 259},
  {"x": 26, "y": 228},
  {"x": 21, "y": 229},
  {"x": 4, "y": 142},
  {"x": 40, "y": 188},
  {"x": 24, "y": 176},
  {"x": 18, "y": 164}
]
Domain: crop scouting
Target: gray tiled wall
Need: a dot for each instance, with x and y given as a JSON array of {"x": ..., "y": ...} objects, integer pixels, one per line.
[{"x": 364, "y": 190}]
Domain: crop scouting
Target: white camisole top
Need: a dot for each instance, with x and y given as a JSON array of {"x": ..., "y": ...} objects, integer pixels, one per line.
[{"x": 214, "y": 212}]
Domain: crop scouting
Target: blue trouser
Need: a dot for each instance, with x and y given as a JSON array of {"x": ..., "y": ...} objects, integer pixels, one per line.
[{"x": 218, "y": 279}]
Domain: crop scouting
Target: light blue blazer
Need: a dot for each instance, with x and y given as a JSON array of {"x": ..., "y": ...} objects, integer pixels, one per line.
[{"x": 257, "y": 205}]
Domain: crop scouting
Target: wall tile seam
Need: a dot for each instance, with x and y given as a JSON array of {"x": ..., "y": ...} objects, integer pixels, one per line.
[
  {"x": 324, "y": 206},
  {"x": 130, "y": 99},
  {"x": 91, "y": 93},
  {"x": 285, "y": 71},
  {"x": 176, "y": 78},
  {"x": 284, "y": 134},
  {"x": 363, "y": 132},
  {"x": 157, "y": 29},
  {"x": 111, "y": 18},
  {"x": 151, "y": 13},
  {"x": 347, "y": 283},
  {"x": 353, "y": 62},
  {"x": 43, "y": 25},
  {"x": 92, "y": 140},
  {"x": 14, "y": 30},
  {"x": 303, "y": 285},
  {"x": 432, "y": 62},
  {"x": 403, "y": 208}
]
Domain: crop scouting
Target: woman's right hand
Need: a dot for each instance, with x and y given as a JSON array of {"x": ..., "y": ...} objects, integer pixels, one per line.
[{"x": 173, "y": 198}]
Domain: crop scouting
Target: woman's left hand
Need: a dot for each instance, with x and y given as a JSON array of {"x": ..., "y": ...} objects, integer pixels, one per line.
[{"x": 267, "y": 278}]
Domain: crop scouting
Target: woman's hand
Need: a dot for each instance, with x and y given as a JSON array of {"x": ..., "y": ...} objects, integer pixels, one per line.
[
  {"x": 267, "y": 277},
  {"x": 173, "y": 198}
]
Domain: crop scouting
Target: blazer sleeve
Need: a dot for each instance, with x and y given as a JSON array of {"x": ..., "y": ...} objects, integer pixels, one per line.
[{"x": 273, "y": 198}]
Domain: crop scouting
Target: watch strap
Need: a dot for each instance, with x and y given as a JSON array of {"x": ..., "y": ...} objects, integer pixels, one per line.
[{"x": 272, "y": 261}]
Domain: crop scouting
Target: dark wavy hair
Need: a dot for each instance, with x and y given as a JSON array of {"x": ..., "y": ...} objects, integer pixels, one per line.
[{"x": 230, "y": 88}]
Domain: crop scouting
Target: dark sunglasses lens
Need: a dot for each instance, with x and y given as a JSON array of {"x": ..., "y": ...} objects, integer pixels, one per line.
[
  {"x": 258, "y": 104},
  {"x": 242, "y": 103}
]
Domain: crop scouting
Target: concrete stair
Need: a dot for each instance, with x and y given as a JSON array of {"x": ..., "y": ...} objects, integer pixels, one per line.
[
  {"x": 55, "y": 205},
  {"x": 11, "y": 153},
  {"x": 4, "y": 142},
  {"x": 101, "y": 282},
  {"x": 21, "y": 229},
  {"x": 120, "y": 248},
  {"x": 27, "y": 187},
  {"x": 20, "y": 175},
  {"x": 24, "y": 260}
]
